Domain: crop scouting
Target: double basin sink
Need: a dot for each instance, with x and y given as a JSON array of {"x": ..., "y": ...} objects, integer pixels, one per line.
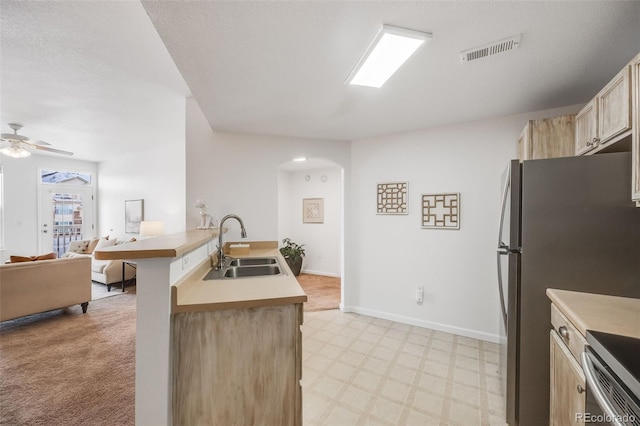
[{"x": 247, "y": 267}]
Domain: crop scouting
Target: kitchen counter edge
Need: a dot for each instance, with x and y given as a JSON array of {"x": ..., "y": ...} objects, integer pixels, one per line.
[
  {"x": 173, "y": 245},
  {"x": 599, "y": 312},
  {"x": 194, "y": 294}
]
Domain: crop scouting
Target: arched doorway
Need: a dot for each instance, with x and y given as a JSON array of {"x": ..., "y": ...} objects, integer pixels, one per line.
[{"x": 311, "y": 212}]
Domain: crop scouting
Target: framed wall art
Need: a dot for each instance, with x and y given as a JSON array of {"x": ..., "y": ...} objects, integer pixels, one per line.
[
  {"x": 391, "y": 198},
  {"x": 313, "y": 210},
  {"x": 441, "y": 211},
  {"x": 133, "y": 215}
]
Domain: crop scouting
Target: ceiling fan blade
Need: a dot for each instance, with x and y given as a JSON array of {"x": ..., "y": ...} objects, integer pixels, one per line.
[
  {"x": 34, "y": 143},
  {"x": 57, "y": 151}
]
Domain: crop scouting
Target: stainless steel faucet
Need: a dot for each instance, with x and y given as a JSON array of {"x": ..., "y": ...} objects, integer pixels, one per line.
[{"x": 243, "y": 234}]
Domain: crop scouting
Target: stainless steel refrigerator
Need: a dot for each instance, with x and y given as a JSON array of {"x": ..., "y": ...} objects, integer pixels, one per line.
[{"x": 566, "y": 223}]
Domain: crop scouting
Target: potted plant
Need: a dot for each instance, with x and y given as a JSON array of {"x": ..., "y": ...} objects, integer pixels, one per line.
[{"x": 293, "y": 254}]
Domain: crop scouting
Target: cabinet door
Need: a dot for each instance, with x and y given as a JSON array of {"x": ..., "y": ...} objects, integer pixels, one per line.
[
  {"x": 614, "y": 106},
  {"x": 567, "y": 395},
  {"x": 547, "y": 138},
  {"x": 524, "y": 143},
  {"x": 552, "y": 137},
  {"x": 635, "y": 148},
  {"x": 587, "y": 127}
]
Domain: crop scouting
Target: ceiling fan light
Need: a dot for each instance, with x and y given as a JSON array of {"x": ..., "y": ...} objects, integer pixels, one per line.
[{"x": 15, "y": 151}]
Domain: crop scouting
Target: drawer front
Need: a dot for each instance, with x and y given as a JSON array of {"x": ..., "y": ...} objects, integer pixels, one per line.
[{"x": 570, "y": 335}]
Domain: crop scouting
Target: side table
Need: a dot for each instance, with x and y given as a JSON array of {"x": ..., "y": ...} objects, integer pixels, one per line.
[{"x": 134, "y": 265}]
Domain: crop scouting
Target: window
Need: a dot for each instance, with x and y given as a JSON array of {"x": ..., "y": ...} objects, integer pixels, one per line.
[{"x": 65, "y": 178}]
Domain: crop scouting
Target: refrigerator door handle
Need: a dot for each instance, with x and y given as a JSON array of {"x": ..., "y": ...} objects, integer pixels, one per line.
[
  {"x": 503, "y": 207},
  {"x": 500, "y": 291},
  {"x": 503, "y": 249}
]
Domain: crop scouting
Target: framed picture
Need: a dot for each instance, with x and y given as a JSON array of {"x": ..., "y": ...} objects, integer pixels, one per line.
[
  {"x": 391, "y": 198},
  {"x": 133, "y": 215},
  {"x": 441, "y": 211},
  {"x": 313, "y": 210}
]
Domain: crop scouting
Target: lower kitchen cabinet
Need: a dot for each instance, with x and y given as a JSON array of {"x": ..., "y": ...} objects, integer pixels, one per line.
[
  {"x": 635, "y": 148},
  {"x": 567, "y": 386},
  {"x": 238, "y": 366}
]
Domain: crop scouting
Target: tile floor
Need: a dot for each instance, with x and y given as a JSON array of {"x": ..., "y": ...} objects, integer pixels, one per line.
[{"x": 359, "y": 370}]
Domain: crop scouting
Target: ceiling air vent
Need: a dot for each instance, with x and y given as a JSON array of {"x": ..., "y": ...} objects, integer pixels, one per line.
[{"x": 490, "y": 49}]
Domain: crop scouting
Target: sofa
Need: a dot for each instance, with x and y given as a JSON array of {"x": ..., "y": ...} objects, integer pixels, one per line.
[
  {"x": 106, "y": 272},
  {"x": 32, "y": 287}
]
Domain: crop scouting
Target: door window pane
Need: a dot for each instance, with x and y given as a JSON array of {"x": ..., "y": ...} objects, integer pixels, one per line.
[
  {"x": 65, "y": 178},
  {"x": 68, "y": 219}
]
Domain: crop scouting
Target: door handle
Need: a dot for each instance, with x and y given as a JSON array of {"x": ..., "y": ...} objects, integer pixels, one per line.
[
  {"x": 588, "y": 366},
  {"x": 503, "y": 307}
]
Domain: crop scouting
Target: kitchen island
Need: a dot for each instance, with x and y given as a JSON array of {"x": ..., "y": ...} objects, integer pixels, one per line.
[{"x": 212, "y": 350}]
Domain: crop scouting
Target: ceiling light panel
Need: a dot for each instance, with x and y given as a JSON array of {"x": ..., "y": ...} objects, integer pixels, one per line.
[{"x": 391, "y": 48}]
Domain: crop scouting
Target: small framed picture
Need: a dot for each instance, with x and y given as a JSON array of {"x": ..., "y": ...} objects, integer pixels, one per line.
[
  {"x": 313, "y": 210},
  {"x": 133, "y": 215},
  {"x": 391, "y": 198},
  {"x": 441, "y": 211}
]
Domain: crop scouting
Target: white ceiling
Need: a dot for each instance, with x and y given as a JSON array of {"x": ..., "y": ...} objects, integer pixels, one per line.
[
  {"x": 89, "y": 77},
  {"x": 95, "y": 78}
]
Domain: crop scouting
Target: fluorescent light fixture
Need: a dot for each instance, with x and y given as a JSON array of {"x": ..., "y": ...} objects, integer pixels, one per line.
[
  {"x": 300, "y": 159},
  {"x": 388, "y": 51}
]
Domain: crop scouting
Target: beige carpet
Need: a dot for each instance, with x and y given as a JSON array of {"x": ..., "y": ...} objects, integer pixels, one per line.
[
  {"x": 99, "y": 291},
  {"x": 322, "y": 292},
  {"x": 66, "y": 368}
]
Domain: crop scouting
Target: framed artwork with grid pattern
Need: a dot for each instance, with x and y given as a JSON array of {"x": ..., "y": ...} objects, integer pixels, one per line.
[
  {"x": 313, "y": 210},
  {"x": 441, "y": 211},
  {"x": 391, "y": 198}
]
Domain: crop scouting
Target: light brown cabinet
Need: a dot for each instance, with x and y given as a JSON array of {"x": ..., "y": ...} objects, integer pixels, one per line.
[
  {"x": 567, "y": 381},
  {"x": 567, "y": 386},
  {"x": 238, "y": 366},
  {"x": 614, "y": 106},
  {"x": 586, "y": 128},
  {"x": 607, "y": 117},
  {"x": 635, "y": 144},
  {"x": 547, "y": 138}
]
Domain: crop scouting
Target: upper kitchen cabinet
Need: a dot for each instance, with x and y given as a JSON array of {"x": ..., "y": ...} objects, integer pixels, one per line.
[
  {"x": 635, "y": 144},
  {"x": 547, "y": 138},
  {"x": 587, "y": 128},
  {"x": 607, "y": 117}
]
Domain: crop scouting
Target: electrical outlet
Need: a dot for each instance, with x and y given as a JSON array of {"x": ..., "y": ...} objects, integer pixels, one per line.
[
  {"x": 185, "y": 261},
  {"x": 420, "y": 294}
]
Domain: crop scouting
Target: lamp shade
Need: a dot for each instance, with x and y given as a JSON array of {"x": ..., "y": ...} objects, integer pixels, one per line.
[{"x": 151, "y": 228}]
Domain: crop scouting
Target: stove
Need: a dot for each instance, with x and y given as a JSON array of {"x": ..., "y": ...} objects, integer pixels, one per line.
[{"x": 611, "y": 365}]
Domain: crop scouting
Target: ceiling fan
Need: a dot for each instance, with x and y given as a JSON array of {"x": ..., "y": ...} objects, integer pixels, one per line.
[{"x": 18, "y": 146}]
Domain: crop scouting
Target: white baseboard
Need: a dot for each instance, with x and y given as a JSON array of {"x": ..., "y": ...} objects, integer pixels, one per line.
[
  {"x": 474, "y": 334},
  {"x": 327, "y": 274}
]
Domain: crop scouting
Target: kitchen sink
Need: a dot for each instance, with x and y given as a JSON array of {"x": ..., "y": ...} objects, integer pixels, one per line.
[
  {"x": 246, "y": 268},
  {"x": 253, "y": 261},
  {"x": 251, "y": 271}
]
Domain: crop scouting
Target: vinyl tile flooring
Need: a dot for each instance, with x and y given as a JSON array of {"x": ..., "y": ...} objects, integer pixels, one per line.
[{"x": 360, "y": 370}]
